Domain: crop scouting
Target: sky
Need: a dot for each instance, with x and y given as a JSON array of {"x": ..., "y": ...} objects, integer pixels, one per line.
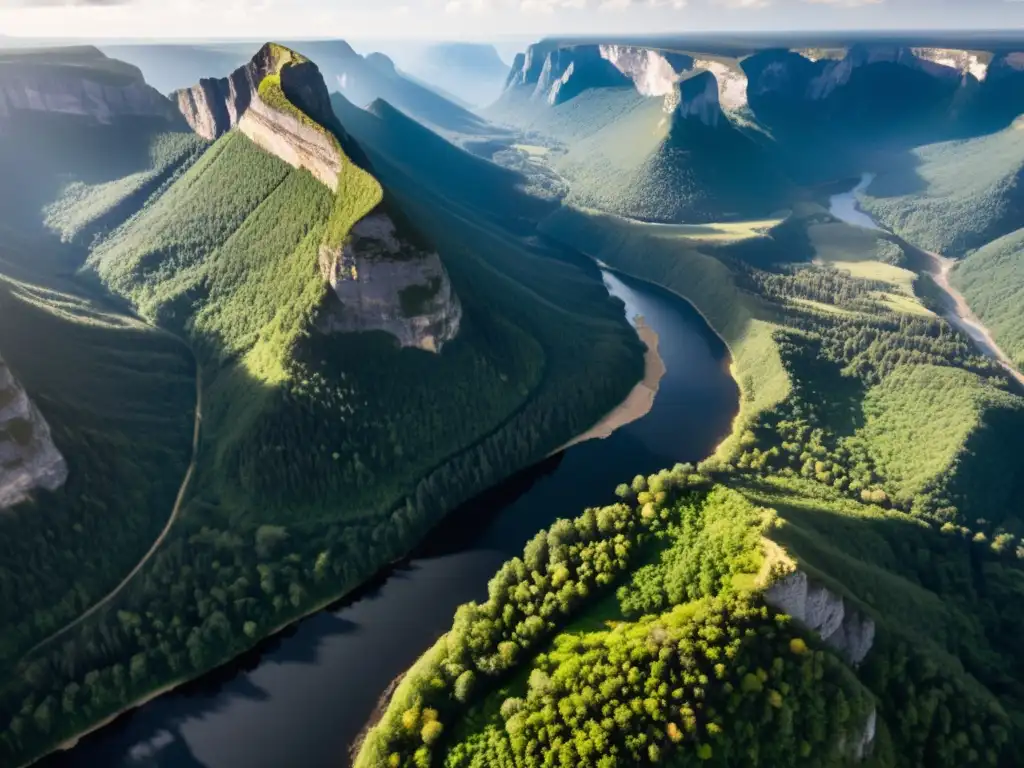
[{"x": 483, "y": 19}]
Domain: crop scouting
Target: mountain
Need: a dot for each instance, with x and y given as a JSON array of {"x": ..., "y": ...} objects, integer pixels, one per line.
[
  {"x": 169, "y": 67},
  {"x": 953, "y": 197},
  {"x": 253, "y": 353},
  {"x": 652, "y": 136},
  {"x": 363, "y": 79},
  {"x": 472, "y": 72}
]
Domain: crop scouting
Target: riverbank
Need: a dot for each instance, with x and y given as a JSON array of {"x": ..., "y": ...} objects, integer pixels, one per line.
[
  {"x": 638, "y": 402},
  {"x": 959, "y": 314}
]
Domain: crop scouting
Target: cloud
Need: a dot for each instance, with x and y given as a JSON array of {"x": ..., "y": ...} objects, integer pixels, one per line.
[
  {"x": 845, "y": 3},
  {"x": 69, "y": 3}
]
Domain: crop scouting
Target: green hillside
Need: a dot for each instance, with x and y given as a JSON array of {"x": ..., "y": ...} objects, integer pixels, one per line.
[
  {"x": 644, "y": 633},
  {"x": 992, "y": 281},
  {"x": 953, "y": 197},
  {"x": 321, "y": 457}
]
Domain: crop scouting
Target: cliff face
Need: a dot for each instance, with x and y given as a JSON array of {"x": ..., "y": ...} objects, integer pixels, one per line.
[
  {"x": 847, "y": 631},
  {"x": 698, "y": 99},
  {"x": 653, "y": 72},
  {"x": 384, "y": 283},
  {"x": 293, "y": 140},
  {"x": 99, "y": 89},
  {"x": 215, "y": 105},
  {"x": 555, "y": 75},
  {"x": 28, "y": 458},
  {"x": 825, "y": 613}
]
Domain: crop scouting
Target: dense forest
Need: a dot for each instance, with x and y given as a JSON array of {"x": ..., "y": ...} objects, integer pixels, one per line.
[
  {"x": 884, "y": 471},
  {"x": 322, "y": 457}
]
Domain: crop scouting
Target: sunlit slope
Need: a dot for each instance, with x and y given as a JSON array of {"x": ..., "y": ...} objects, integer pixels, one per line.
[
  {"x": 954, "y": 197},
  {"x": 992, "y": 281}
]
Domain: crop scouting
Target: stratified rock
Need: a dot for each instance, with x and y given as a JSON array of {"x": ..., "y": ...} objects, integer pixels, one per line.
[
  {"x": 28, "y": 458},
  {"x": 293, "y": 140},
  {"x": 384, "y": 283},
  {"x": 215, "y": 106},
  {"x": 93, "y": 87}
]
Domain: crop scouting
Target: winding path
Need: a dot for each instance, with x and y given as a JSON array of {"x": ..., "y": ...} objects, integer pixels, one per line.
[
  {"x": 957, "y": 311},
  {"x": 179, "y": 502}
]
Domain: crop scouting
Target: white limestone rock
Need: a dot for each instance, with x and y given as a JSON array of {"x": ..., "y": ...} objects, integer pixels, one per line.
[{"x": 824, "y": 612}]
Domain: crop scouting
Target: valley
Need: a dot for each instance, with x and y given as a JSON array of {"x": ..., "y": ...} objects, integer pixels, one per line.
[
  {"x": 356, "y": 414},
  {"x": 956, "y": 309}
]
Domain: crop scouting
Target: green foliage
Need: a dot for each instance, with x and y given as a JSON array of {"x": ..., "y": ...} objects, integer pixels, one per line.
[
  {"x": 87, "y": 209},
  {"x": 710, "y": 682},
  {"x": 992, "y": 281},
  {"x": 954, "y": 196},
  {"x": 321, "y": 457}
]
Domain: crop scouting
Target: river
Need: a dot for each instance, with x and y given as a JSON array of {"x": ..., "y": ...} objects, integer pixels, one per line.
[
  {"x": 955, "y": 308},
  {"x": 303, "y": 697}
]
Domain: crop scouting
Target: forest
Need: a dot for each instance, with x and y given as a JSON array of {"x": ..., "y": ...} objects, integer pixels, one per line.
[
  {"x": 885, "y": 471},
  {"x": 322, "y": 457}
]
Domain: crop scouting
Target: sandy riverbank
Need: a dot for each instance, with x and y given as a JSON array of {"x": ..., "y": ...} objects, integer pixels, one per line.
[{"x": 639, "y": 401}]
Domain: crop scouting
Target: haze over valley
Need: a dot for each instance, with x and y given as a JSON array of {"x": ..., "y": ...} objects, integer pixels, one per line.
[{"x": 602, "y": 384}]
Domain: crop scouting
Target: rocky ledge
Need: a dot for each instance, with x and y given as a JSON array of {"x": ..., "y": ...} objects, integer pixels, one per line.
[
  {"x": 384, "y": 283},
  {"x": 28, "y": 458}
]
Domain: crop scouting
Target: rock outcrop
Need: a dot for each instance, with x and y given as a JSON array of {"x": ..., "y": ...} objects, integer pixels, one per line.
[
  {"x": 697, "y": 98},
  {"x": 293, "y": 140},
  {"x": 842, "y": 628},
  {"x": 94, "y": 87},
  {"x": 216, "y": 105},
  {"x": 384, "y": 283},
  {"x": 824, "y": 612},
  {"x": 28, "y": 458}
]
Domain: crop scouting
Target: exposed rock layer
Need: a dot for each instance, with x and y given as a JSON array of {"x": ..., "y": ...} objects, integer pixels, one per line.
[
  {"x": 28, "y": 458},
  {"x": 293, "y": 140},
  {"x": 384, "y": 283},
  {"x": 824, "y": 612}
]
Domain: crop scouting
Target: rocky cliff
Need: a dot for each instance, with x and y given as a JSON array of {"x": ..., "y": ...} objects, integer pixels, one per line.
[
  {"x": 653, "y": 72},
  {"x": 842, "y": 628},
  {"x": 28, "y": 458},
  {"x": 384, "y": 283},
  {"x": 216, "y": 105},
  {"x": 292, "y": 139},
  {"x": 558, "y": 74},
  {"x": 79, "y": 82},
  {"x": 824, "y": 612},
  {"x": 697, "y": 98}
]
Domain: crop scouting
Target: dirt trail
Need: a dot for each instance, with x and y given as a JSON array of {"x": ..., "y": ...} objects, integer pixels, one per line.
[{"x": 175, "y": 511}]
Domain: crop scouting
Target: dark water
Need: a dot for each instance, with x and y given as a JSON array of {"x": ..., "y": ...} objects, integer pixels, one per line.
[{"x": 302, "y": 699}]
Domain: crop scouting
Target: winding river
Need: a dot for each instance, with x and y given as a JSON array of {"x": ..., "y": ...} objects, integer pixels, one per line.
[{"x": 301, "y": 699}]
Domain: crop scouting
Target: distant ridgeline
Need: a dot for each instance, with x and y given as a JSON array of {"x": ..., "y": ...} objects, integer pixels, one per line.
[
  {"x": 641, "y": 140},
  {"x": 227, "y": 264}
]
